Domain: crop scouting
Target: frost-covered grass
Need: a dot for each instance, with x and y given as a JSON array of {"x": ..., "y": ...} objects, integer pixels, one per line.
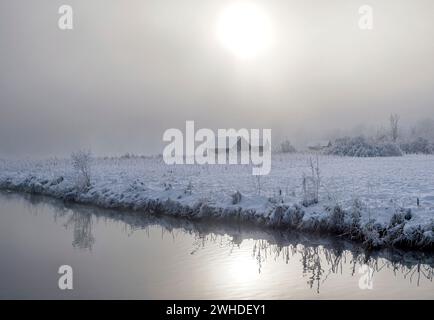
[{"x": 379, "y": 201}]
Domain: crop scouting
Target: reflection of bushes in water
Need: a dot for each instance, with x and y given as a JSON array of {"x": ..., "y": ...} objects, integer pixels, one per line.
[
  {"x": 320, "y": 256},
  {"x": 77, "y": 218},
  {"x": 419, "y": 270},
  {"x": 318, "y": 262},
  {"x": 81, "y": 222},
  {"x": 311, "y": 261},
  {"x": 311, "y": 257},
  {"x": 82, "y": 230}
]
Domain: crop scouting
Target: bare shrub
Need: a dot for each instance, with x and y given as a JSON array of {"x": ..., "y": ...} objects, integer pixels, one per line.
[
  {"x": 81, "y": 162},
  {"x": 394, "y": 121},
  {"x": 311, "y": 184},
  {"x": 258, "y": 184}
]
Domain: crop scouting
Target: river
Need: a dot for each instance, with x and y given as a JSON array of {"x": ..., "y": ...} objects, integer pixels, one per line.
[{"x": 125, "y": 255}]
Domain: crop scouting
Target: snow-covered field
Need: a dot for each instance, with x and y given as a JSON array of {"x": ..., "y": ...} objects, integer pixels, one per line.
[{"x": 379, "y": 201}]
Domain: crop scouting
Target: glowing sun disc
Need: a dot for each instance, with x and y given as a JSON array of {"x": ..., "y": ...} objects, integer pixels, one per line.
[{"x": 244, "y": 29}]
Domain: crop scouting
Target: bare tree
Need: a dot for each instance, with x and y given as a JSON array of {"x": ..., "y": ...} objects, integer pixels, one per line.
[
  {"x": 81, "y": 163},
  {"x": 394, "y": 120}
]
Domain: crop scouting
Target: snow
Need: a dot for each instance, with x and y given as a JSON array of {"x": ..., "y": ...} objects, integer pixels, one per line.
[{"x": 385, "y": 190}]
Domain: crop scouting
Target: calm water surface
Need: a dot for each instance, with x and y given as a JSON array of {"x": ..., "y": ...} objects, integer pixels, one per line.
[{"x": 124, "y": 255}]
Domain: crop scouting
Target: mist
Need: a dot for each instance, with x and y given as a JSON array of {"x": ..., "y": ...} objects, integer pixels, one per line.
[{"x": 130, "y": 70}]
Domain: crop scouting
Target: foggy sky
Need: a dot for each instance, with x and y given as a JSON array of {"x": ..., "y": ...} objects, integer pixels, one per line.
[{"x": 131, "y": 69}]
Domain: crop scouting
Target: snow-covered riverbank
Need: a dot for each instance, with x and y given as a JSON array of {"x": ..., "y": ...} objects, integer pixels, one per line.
[{"x": 379, "y": 201}]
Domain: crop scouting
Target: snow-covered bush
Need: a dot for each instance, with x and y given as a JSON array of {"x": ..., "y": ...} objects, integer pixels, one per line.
[
  {"x": 356, "y": 215},
  {"x": 336, "y": 218},
  {"x": 424, "y": 129},
  {"x": 372, "y": 238},
  {"x": 395, "y": 234},
  {"x": 236, "y": 197},
  {"x": 81, "y": 161},
  {"x": 276, "y": 217},
  {"x": 294, "y": 216},
  {"x": 363, "y": 147},
  {"x": 389, "y": 149},
  {"x": 419, "y": 146},
  {"x": 189, "y": 189},
  {"x": 287, "y": 147}
]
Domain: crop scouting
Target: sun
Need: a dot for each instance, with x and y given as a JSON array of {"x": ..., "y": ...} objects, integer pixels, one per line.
[{"x": 245, "y": 30}]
